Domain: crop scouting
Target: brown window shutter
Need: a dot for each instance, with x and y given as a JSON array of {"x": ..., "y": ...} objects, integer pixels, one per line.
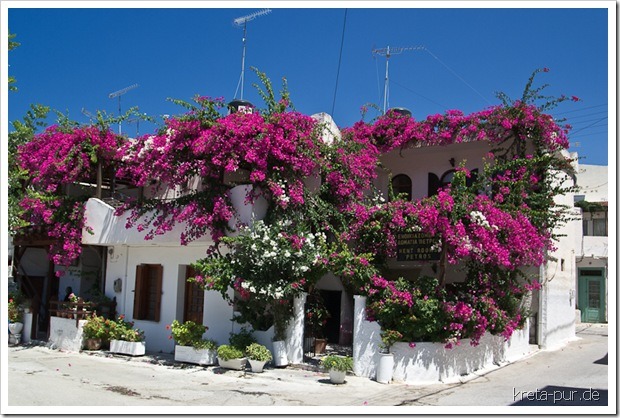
[
  {"x": 140, "y": 288},
  {"x": 158, "y": 271}
]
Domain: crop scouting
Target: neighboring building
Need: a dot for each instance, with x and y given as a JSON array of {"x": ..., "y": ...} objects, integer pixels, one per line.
[{"x": 591, "y": 245}]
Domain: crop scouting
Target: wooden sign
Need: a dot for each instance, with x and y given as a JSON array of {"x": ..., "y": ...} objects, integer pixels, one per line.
[{"x": 417, "y": 246}]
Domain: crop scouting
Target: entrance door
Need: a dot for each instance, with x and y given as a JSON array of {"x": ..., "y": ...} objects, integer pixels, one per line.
[
  {"x": 332, "y": 299},
  {"x": 194, "y": 299},
  {"x": 592, "y": 295}
]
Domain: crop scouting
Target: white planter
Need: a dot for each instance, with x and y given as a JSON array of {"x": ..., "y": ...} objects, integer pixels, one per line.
[
  {"x": 15, "y": 328},
  {"x": 279, "y": 354},
  {"x": 385, "y": 368},
  {"x": 233, "y": 364},
  {"x": 257, "y": 365},
  {"x": 188, "y": 354},
  {"x": 245, "y": 213},
  {"x": 128, "y": 347},
  {"x": 337, "y": 376}
]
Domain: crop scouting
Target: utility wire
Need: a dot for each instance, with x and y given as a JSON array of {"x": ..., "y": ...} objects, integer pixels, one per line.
[
  {"x": 592, "y": 124},
  {"x": 583, "y": 108},
  {"x": 344, "y": 24},
  {"x": 458, "y": 76}
]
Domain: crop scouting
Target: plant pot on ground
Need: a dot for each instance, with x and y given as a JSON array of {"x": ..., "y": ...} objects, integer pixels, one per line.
[
  {"x": 258, "y": 356},
  {"x": 338, "y": 366},
  {"x": 190, "y": 346},
  {"x": 230, "y": 357},
  {"x": 95, "y": 332}
]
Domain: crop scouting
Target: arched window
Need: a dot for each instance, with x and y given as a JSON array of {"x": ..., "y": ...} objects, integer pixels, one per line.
[
  {"x": 401, "y": 185},
  {"x": 435, "y": 183},
  {"x": 447, "y": 178}
]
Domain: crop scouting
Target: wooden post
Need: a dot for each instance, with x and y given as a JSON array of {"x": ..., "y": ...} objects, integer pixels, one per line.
[{"x": 99, "y": 180}]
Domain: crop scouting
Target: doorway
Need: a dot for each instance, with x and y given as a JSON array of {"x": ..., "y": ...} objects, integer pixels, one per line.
[
  {"x": 332, "y": 300},
  {"x": 592, "y": 294}
]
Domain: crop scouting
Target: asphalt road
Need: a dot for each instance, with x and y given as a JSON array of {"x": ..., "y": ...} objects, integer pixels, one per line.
[{"x": 41, "y": 380}]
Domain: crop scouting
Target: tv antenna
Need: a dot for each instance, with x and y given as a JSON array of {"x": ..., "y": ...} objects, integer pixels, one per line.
[
  {"x": 242, "y": 21},
  {"x": 387, "y": 52},
  {"x": 118, "y": 94},
  {"x": 89, "y": 115}
]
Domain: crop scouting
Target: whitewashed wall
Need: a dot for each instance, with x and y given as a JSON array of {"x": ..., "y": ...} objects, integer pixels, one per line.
[
  {"x": 429, "y": 363},
  {"x": 64, "y": 335},
  {"x": 418, "y": 162},
  {"x": 122, "y": 265},
  {"x": 559, "y": 293}
]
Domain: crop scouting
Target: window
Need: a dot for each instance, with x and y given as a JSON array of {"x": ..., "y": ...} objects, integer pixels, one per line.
[
  {"x": 401, "y": 184},
  {"x": 147, "y": 296},
  {"x": 595, "y": 224},
  {"x": 447, "y": 178},
  {"x": 435, "y": 183},
  {"x": 599, "y": 227}
]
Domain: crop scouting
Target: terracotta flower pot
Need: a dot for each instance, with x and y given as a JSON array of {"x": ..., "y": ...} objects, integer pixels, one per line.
[{"x": 92, "y": 344}]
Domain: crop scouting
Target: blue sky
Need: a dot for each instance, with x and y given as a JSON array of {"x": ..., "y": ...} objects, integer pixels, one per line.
[{"x": 72, "y": 59}]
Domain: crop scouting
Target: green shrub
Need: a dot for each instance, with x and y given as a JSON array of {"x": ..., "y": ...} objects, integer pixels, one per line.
[
  {"x": 242, "y": 339},
  {"x": 187, "y": 333},
  {"x": 340, "y": 363},
  {"x": 258, "y": 352},
  {"x": 227, "y": 352},
  {"x": 96, "y": 327}
]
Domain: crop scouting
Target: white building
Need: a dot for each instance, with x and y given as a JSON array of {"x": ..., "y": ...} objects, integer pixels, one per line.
[
  {"x": 591, "y": 245},
  {"x": 148, "y": 278}
]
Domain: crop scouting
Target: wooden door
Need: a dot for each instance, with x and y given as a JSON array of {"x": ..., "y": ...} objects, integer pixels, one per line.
[{"x": 193, "y": 307}]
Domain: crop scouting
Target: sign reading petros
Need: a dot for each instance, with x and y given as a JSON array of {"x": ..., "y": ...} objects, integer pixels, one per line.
[{"x": 417, "y": 246}]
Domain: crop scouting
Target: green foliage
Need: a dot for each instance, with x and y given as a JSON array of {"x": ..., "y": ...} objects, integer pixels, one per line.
[
  {"x": 12, "y": 46},
  {"x": 340, "y": 363},
  {"x": 96, "y": 327},
  {"x": 268, "y": 96},
  {"x": 23, "y": 132},
  {"x": 228, "y": 352},
  {"x": 124, "y": 330},
  {"x": 241, "y": 339},
  {"x": 15, "y": 312},
  {"x": 187, "y": 333},
  {"x": 206, "y": 110},
  {"x": 258, "y": 352}
]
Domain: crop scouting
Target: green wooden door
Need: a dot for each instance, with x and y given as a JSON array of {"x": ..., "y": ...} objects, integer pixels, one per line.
[{"x": 592, "y": 295}]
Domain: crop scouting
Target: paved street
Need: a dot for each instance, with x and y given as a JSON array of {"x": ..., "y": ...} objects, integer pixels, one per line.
[{"x": 41, "y": 377}]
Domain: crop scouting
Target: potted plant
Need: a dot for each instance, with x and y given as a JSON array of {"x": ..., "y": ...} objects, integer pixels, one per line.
[
  {"x": 338, "y": 367},
  {"x": 385, "y": 368},
  {"x": 15, "y": 319},
  {"x": 258, "y": 355},
  {"x": 124, "y": 339},
  {"x": 190, "y": 346},
  {"x": 230, "y": 357},
  {"x": 95, "y": 332}
]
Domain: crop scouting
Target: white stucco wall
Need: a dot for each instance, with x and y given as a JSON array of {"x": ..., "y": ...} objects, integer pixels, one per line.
[
  {"x": 592, "y": 181},
  {"x": 108, "y": 229},
  {"x": 418, "y": 162},
  {"x": 122, "y": 265},
  {"x": 559, "y": 292},
  {"x": 65, "y": 335},
  {"x": 429, "y": 363}
]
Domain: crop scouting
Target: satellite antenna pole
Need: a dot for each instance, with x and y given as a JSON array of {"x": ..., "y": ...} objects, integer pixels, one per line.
[
  {"x": 89, "y": 114},
  {"x": 118, "y": 94},
  {"x": 387, "y": 52},
  {"x": 243, "y": 21}
]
